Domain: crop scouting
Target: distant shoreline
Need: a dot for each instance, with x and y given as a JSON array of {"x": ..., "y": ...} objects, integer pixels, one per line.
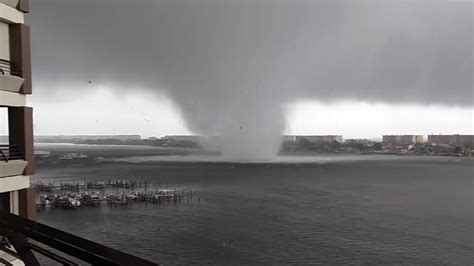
[{"x": 283, "y": 152}]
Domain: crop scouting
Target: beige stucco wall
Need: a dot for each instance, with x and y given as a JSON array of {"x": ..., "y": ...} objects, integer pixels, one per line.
[
  {"x": 4, "y": 42},
  {"x": 12, "y": 168},
  {"x": 10, "y": 14},
  {"x": 12, "y": 99},
  {"x": 12, "y": 3},
  {"x": 14, "y": 183},
  {"x": 10, "y": 83}
]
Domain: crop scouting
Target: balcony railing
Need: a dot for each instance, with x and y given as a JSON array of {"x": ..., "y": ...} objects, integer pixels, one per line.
[
  {"x": 7, "y": 67},
  {"x": 10, "y": 152},
  {"x": 25, "y": 238}
]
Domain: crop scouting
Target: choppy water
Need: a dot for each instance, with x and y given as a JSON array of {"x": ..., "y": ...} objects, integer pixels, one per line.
[{"x": 382, "y": 211}]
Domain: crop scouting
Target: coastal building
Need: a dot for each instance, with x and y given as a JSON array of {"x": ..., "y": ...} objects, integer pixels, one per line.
[
  {"x": 402, "y": 139},
  {"x": 313, "y": 138},
  {"x": 289, "y": 138},
  {"x": 359, "y": 141},
  {"x": 189, "y": 138},
  {"x": 461, "y": 140},
  {"x": 16, "y": 156}
]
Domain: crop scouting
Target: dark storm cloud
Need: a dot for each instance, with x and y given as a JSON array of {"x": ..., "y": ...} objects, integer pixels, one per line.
[{"x": 231, "y": 65}]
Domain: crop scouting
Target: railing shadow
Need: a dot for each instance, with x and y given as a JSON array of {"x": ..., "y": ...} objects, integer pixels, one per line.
[{"x": 24, "y": 237}]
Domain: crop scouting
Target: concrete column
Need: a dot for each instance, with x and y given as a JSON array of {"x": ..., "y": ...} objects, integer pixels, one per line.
[
  {"x": 24, "y": 6},
  {"x": 20, "y": 125},
  {"x": 20, "y": 55}
]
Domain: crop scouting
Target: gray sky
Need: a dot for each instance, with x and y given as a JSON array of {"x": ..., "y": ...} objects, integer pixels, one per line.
[{"x": 243, "y": 68}]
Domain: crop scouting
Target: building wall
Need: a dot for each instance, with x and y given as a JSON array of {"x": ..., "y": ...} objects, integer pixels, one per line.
[
  {"x": 442, "y": 139},
  {"x": 464, "y": 140},
  {"x": 402, "y": 139},
  {"x": 4, "y": 42},
  {"x": 418, "y": 139},
  {"x": 15, "y": 194},
  {"x": 322, "y": 138},
  {"x": 12, "y": 3},
  {"x": 9, "y": 14}
]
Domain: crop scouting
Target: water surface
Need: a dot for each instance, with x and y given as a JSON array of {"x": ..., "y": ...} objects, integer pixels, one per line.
[{"x": 334, "y": 210}]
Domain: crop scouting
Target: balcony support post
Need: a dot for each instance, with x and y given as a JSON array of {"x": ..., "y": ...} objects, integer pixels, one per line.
[
  {"x": 27, "y": 203},
  {"x": 20, "y": 53}
]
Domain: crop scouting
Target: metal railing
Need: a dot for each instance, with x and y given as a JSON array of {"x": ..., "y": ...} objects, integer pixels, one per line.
[
  {"x": 10, "y": 152},
  {"x": 8, "y": 67},
  {"x": 26, "y": 237}
]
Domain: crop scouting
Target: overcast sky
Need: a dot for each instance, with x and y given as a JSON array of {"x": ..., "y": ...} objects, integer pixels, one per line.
[{"x": 357, "y": 68}]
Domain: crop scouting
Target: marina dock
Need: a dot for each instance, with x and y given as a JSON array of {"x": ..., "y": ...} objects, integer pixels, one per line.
[{"x": 112, "y": 192}]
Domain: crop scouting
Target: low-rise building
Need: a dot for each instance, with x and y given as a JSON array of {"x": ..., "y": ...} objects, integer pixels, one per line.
[
  {"x": 461, "y": 140},
  {"x": 313, "y": 138},
  {"x": 402, "y": 139},
  {"x": 190, "y": 138},
  {"x": 360, "y": 141}
]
